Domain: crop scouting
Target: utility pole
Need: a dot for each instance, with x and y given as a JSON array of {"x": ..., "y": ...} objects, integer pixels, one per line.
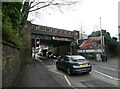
[
  {"x": 101, "y": 36},
  {"x": 81, "y": 32}
]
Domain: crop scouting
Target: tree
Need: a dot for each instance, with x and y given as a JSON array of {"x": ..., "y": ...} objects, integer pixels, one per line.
[
  {"x": 97, "y": 33},
  {"x": 31, "y": 6},
  {"x": 11, "y": 12},
  {"x": 11, "y": 17},
  {"x": 114, "y": 38}
]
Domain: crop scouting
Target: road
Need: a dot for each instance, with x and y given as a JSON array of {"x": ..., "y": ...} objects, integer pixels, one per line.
[{"x": 102, "y": 75}]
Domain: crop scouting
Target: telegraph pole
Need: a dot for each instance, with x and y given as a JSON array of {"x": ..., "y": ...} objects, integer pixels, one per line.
[
  {"x": 81, "y": 32},
  {"x": 101, "y": 36}
]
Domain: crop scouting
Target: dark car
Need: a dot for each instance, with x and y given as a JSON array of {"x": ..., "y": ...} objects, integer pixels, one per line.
[
  {"x": 55, "y": 56},
  {"x": 52, "y": 55},
  {"x": 73, "y": 64}
]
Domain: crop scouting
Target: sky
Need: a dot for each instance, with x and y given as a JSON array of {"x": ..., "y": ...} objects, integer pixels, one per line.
[{"x": 85, "y": 15}]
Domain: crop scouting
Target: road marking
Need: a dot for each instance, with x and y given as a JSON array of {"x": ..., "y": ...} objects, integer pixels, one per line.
[
  {"x": 67, "y": 80},
  {"x": 109, "y": 68},
  {"x": 56, "y": 72},
  {"x": 106, "y": 75},
  {"x": 64, "y": 77}
]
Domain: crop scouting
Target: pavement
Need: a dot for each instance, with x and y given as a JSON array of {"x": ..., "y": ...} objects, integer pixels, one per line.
[
  {"x": 110, "y": 61},
  {"x": 37, "y": 75}
]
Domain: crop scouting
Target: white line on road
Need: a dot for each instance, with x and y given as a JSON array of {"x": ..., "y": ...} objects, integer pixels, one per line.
[
  {"x": 106, "y": 75},
  {"x": 56, "y": 72},
  {"x": 64, "y": 77},
  {"x": 67, "y": 80},
  {"x": 109, "y": 68}
]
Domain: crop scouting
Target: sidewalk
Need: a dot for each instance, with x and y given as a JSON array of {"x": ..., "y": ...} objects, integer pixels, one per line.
[
  {"x": 39, "y": 76},
  {"x": 111, "y": 62}
]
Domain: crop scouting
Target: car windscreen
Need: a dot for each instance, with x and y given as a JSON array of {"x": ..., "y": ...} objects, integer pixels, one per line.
[{"x": 78, "y": 59}]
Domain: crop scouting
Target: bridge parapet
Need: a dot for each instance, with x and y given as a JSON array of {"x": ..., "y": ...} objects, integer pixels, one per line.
[{"x": 38, "y": 29}]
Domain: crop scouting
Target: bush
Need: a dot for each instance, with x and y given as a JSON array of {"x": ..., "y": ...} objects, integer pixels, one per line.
[{"x": 8, "y": 35}]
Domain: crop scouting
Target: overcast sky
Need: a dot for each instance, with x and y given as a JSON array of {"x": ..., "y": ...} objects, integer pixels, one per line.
[{"x": 86, "y": 15}]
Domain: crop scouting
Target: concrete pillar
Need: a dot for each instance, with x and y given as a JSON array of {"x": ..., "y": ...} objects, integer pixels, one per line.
[
  {"x": 62, "y": 50},
  {"x": 75, "y": 38}
]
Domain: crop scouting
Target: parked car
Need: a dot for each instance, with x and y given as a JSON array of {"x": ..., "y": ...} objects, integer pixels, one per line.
[
  {"x": 55, "y": 56},
  {"x": 52, "y": 55},
  {"x": 73, "y": 64}
]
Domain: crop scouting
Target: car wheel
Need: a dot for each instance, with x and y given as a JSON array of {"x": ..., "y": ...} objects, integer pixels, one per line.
[{"x": 69, "y": 71}]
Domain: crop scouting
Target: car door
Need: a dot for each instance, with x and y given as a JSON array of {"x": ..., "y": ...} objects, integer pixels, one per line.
[
  {"x": 60, "y": 62},
  {"x": 65, "y": 63}
]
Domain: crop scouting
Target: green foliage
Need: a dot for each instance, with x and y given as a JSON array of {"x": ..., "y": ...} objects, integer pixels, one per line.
[
  {"x": 112, "y": 45},
  {"x": 0, "y": 15},
  {"x": 11, "y": 19},
  {"x": 12, "y": 12},
  {"x": 0, "y": 18},
  {"x": 8, "y": 35},
  {"x": 97, "y": 33},
  {"x": 114, "y": 38}
]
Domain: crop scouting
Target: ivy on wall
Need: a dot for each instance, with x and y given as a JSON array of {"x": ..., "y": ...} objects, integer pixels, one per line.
[
  {"x": 9, "y": 36},
  {"x": 11, "y": 22}
]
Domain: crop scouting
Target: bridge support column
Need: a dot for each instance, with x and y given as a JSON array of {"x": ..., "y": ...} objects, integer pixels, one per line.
[
  {"x": 75, "y": 38},
  {"x": 63, "y": 49}
]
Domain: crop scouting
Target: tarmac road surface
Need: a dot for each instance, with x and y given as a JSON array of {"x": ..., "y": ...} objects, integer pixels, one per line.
[{"x": 104, "y": 74}]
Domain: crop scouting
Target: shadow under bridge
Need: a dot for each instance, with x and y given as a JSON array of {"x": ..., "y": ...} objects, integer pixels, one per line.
[{"x": 61, "y": 45}]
